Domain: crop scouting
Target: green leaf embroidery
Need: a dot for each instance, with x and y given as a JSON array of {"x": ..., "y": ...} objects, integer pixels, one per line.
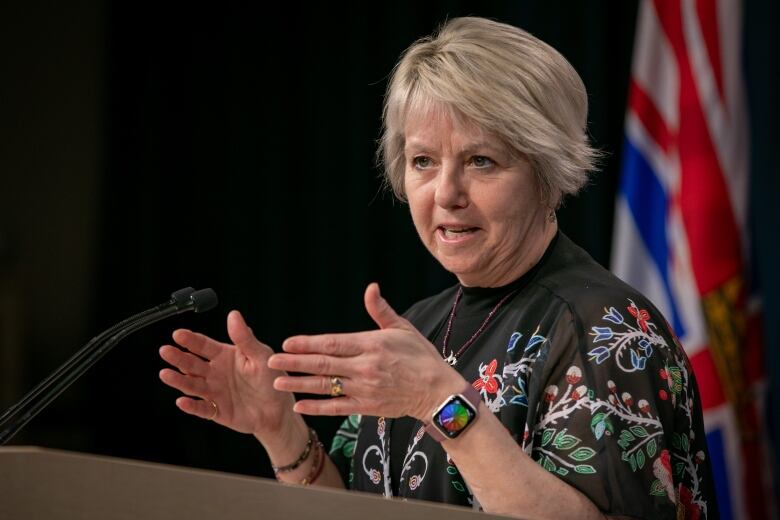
[
  {"x": 582, "y": 453},
  {"x": 596, "y": 419},
  {"x": 452, "y": 470},
  {"x": 640, "y": 459},
  {"x": 632, "y": 461},
  {"x": 548, "y": 464},
  {"x": 338, "y": 442},
  {"x": 676, "y": 377},
  {"x": 565, "y": 442},
  {"x": 457, "y": 485},
  {"x": 679, "y": 468},
  {"x": 349, "y": 448},
  {"x": 627, "y": 436},
  {"x": 584, "y": 469},
  {"x": 624, "y": 456},
  {"x": 354, "y": 420},
  {"x": 562, "y": 472},
  {"x": 657, "y": 488},
  {"x": 623, "y": 443},
  {"x": 684, "y": 443},
  {"x": 639, "y": 431},
  {"x": 651, "y": 448},
  {"x": 547, "y": 436}
]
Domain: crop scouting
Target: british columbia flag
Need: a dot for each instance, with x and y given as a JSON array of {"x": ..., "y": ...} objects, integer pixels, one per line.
[{"x": 681, "y": 224}]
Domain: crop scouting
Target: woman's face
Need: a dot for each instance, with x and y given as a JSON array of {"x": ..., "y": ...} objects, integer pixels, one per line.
[{"x": 476, "y": 207}]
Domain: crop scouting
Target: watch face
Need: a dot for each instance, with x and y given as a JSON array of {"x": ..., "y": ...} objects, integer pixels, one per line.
[{"x": 454, "y": 416}]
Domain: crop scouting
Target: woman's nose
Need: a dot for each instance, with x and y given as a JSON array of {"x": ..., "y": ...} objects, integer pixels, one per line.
[{"x": 451, "y": 191}]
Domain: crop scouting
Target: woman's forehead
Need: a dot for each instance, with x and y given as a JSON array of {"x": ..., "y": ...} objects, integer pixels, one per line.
[
  {"x": 439, "y": 117},
  {"x": 438, "y": 125}
]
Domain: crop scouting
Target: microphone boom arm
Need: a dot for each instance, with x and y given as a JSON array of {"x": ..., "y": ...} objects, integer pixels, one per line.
[{"x": 18, "y": 415}]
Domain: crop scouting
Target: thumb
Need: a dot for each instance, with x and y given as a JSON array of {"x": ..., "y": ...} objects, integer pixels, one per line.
[
  {"x": 241, "y": 335},
  {"x": 381, "y": 312}
]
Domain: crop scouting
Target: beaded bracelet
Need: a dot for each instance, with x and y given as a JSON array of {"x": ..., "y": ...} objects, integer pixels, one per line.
[
  {"x": 305, "y": 455},
  {"x": 319, "y": 464}
]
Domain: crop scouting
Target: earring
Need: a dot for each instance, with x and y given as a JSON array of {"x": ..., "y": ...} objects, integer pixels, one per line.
[{"x": 552, "y": 217}]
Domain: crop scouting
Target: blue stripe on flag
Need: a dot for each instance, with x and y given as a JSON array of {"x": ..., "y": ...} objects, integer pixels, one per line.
[
  {"x": 720, "y": 473},
  {"x": 647, "y": 202}
]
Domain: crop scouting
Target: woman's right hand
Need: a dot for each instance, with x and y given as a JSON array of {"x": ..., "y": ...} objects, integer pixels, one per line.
[{"x": 235, "y": 378}]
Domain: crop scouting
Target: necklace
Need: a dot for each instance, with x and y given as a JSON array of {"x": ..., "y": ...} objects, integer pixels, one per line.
[{"x": 452, "y": 358}]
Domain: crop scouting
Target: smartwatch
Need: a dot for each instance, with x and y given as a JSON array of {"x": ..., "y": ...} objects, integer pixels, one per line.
[{"x": 454, "y": 415}]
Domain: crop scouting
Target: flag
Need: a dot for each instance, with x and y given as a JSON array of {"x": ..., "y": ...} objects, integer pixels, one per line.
[{"x": 681, "y": 224}]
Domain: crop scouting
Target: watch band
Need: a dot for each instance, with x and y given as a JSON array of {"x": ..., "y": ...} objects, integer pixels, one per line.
[{"x": 471, "y": 396}]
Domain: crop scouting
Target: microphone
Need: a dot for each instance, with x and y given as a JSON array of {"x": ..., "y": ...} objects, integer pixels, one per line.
[{"x": 18, "y": 415}]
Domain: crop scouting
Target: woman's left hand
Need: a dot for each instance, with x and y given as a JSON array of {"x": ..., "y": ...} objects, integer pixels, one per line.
[{"x": 392, "y": 372}]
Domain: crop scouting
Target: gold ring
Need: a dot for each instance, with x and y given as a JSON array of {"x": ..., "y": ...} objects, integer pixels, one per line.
[
  {"x": 216, "y": 410},
  {"x": 336, "y": 386}
]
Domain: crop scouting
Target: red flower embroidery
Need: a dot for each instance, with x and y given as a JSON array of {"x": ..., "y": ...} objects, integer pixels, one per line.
[
  {"x": 641, "y": 315},
  {"x": 488, "y": 380}
]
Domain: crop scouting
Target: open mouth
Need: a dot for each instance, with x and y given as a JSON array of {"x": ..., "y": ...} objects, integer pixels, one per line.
[{"x": 456, "y": 232}]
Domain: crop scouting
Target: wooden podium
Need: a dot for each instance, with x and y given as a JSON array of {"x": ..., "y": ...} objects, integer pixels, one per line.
[{"x": 37, "y": 483}]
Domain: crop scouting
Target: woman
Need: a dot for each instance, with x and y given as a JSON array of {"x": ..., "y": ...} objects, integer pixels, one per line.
[{"x": 540, "y": 385}]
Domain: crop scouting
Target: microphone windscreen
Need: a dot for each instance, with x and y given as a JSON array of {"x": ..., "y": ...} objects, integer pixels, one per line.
[
  {"x": 181, "y": 298},
  {"x": 204, "y": 300}
]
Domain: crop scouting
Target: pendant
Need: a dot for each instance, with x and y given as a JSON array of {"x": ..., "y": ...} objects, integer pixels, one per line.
[{"x": 451, "y": 359}]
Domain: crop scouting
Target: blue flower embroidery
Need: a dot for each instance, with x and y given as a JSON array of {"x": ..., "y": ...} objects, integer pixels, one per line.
[
  {"x": 602, "y": 334},
  {"x": 614, "y": 316},
  {"x": 513, "y": 339},
  {"x": 535, "y": 340},
  {"x": 599, "y": 354}
]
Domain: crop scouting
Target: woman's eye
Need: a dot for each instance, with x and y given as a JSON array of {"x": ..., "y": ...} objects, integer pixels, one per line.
[
  {"x": 422, "y": 162},
  {"x": 480, "y": 161}
]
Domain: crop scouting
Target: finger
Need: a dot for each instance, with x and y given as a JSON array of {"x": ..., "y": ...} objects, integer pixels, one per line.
[
  {"x": 202, "y": 408},
  {"x": 339, "y": 345},
  {"x": 186, "y": 363},
  {"x": 311, "y": 384},
  {"x": 311, "y": 364},
  {"x": 189, "y": 385},
  {"x": 241, "y": 335},
  {"x": 199, "y": 344},
  {"x": 336, "y": 406},
  {"x": 381, "y": 311}
]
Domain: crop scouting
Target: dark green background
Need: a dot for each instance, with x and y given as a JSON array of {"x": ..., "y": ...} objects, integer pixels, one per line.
[{"x": 148, "y": 146}]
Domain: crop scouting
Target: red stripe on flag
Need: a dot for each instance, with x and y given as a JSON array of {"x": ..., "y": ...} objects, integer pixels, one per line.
[
  {"x": 707, "y": 215},
  {"x": 710, "y": 387},
  {"x": 650, "y": 117},
  {"x": 708, "y": 19}
]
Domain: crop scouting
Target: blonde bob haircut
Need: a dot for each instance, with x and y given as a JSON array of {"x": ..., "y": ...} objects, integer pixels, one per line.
[{"x": 505, "y": 81}]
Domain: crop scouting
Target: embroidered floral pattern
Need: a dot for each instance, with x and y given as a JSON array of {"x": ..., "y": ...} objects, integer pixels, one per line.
[
  {"x": 412, "y": 454},
  {"x": 616, "y": 416},
  {"x": 381, "y": 452},
  {"x": 606, "y": 391},
  {"x": 623, "y": 338},
  {"x": 509, "y": 386}
]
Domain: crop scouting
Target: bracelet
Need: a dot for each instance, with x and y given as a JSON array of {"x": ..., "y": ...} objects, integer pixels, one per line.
[
  {"x": 319, "y": 464},
  {"x": 305, "y": 455}
]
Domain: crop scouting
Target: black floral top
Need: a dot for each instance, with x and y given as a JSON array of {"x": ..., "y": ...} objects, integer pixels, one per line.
[{"x": 587, "y": 377}]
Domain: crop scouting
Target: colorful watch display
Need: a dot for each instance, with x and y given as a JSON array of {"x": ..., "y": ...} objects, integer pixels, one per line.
[{"x": 454, "y": 415}]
